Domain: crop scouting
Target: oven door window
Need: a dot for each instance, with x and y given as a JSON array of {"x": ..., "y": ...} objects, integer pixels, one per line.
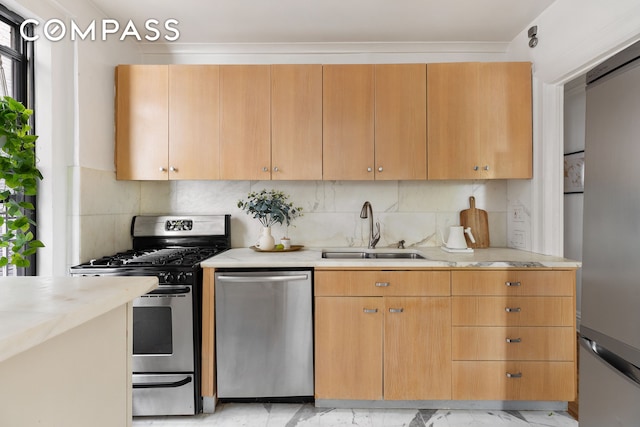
[{"x": 152, "y": 330}]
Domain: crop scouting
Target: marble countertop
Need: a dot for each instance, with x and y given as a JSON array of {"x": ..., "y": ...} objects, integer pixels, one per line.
[
  {"x": 434, "y": 258},
  {"x": 36, "y": 309}
]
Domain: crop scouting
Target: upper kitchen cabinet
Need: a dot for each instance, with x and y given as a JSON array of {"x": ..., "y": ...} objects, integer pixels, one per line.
[
  {"x": 348, "y": 122},
  {"x": 142, "y": 126},
  {"x": 375, "y": 122},
  {"x": 194, "y": 111},
  {"x": 296, "y": 122},
  {"x": 400, "y": 122},
  {"x": 479, "y": 120},
  {"x": 245, "y": 122},
  {"x": 159, "y": 131}
]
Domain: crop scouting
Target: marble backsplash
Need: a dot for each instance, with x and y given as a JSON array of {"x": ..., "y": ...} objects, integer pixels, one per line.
[{"x": 414, "y": 211}]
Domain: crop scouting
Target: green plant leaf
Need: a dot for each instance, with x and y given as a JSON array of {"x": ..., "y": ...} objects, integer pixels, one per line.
[{"x": 18, "y": 169}]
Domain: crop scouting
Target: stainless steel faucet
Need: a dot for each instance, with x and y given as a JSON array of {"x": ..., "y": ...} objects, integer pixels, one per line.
[{"x": 367, "y": 212}]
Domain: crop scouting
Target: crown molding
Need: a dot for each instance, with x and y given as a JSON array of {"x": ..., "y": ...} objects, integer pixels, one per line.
[{"x": 325, "y": 48}]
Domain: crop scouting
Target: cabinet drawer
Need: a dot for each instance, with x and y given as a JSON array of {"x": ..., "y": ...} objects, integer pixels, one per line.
[
  {"x": 513, "y": 311},
  {"x": 513, "y": 343},
  {"x": 382, "y": 283},
  {"x": 514, "y": 381},
  {"x": 513, "y": 282}
]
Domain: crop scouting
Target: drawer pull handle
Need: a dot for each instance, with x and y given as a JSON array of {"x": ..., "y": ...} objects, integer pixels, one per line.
[
  {"x": 514, "y": 340},
  {"x": 510, "y": 375},
  {"x": 512, "y": 310},
  {"x": 396, "y": 310},
  {"x": 370, "y": 310},
  {"x": 382, "y": 284},
  {"x": 512, "y": 284}
]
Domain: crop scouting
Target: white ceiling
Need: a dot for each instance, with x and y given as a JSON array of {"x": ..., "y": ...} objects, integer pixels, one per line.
[{"x": 333, "y": 21}]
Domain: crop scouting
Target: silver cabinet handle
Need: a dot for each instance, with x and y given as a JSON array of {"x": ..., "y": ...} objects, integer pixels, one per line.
[
  {"x": 396, "y": 310},
  {"x": 382, "y": 284},
  {"x": 512, "y": 283},
  {"x": 486, "y": 167},
  {"x": 265, "y": 169},
  {"x": 380, "y": 169},
  {"x": 510, "y": 375},
  {"x": 370, "y": 310},
  {"x": 369, "y": 169},
  {"x": 162, "y": 169},
  {"x": 475, "y": 168},
  {"x": 275, "y": 169},
  {"x": 512, "y": 310},
  {"x": 172, "y": 169},
  {"x": 514, "y": 340}
]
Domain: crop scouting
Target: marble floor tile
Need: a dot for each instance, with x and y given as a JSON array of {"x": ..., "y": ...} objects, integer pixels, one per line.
[{"x": 307, "y": 415}]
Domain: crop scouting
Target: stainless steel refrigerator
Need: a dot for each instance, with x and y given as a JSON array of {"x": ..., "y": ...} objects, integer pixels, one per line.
[{"x": 609, "y": 370}]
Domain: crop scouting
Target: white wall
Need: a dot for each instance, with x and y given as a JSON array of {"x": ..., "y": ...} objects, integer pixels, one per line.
[
  {"x": 74, "y": 121},
  {"x": 574, "y": 35}
]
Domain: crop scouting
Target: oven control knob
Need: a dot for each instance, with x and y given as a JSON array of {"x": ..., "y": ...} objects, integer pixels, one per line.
[
  {"x": 182, "y": 277},
  {"x": 169, "y": 278}
]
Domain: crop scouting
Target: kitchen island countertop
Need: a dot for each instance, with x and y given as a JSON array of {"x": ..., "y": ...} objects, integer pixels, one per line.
[
  {"x": 435, "y": 257},
  {"x": 35, "y": 309}
]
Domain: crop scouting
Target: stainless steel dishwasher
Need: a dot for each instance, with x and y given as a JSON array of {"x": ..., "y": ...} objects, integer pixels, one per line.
[{"x": 264, "y": 333}]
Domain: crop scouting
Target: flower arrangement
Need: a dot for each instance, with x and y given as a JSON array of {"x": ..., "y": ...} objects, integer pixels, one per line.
[{"x": 270, "y": 207}]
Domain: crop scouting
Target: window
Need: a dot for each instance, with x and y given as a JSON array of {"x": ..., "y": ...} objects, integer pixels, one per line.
[{"x": 16, "y": 80}]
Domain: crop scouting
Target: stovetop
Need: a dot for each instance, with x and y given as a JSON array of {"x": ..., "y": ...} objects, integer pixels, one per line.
[
  {"x": 165, "y": 243},
  {"x": 160, "y": 257}
]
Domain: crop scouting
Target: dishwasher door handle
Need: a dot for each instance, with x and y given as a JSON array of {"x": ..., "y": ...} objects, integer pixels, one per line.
[{"x": 262, "y": 279}]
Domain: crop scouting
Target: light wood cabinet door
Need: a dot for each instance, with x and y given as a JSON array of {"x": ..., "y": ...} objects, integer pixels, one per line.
[
  {"x": 479, "y": 120},
  {"x": 452, "y": 120},
  {"x": 513, "y": 282},
  {"x": 296, "y": 122},
  {"x": 417, "y": 348},
  {"x": 348, "y": 348},
  {"x": 142, "y": 122},
  {"x": 505, "y": 124},
  {"x": 245, "y": 122},
  {"x": 194, "y": 114},
  {"x": 513, "y": 343},
  {"x": 382, "y": 283},
  {"x": 513, "y": 311},
  {"x": 514, "y": 380},
  {"x": 400, "y": 121},
  {"x": 348, "y": 122}
]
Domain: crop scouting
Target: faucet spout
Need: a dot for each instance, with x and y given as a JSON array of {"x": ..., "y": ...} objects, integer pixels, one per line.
[{"x": 367, "y": 212}]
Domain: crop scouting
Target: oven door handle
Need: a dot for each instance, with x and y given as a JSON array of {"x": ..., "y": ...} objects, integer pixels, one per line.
[
  {"x": 175, "y": 384},
  {"x": 170, "y": 291}
]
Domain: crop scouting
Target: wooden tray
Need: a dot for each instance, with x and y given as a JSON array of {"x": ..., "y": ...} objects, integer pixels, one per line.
[{"x": 293, "y": 248}]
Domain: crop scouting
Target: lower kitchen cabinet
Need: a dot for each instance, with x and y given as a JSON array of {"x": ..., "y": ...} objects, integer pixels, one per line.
[
  {"x": 417, "y": 348},
  {"x": 348, "y": 348},
  {"x": 513, "y": 380},
  {"x": 383, "y": 347},
  {"x": 513, "y": 335}
]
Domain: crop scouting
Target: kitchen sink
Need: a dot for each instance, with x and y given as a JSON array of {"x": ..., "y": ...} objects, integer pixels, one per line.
[{"x": 337, "y": 254}]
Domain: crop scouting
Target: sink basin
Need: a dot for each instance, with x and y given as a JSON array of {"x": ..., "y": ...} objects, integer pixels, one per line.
[{"x": 336, "y": 254}]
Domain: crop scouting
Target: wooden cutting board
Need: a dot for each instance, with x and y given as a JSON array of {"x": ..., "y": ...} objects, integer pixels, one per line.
[{"x": 479, "y": 223}]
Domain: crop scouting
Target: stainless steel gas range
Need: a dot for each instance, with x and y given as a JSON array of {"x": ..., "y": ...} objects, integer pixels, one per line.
[{"x": 166, "y": 321}]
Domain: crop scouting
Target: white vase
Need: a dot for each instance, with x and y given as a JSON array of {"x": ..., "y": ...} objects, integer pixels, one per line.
[{"x": 266, "y": 241}]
